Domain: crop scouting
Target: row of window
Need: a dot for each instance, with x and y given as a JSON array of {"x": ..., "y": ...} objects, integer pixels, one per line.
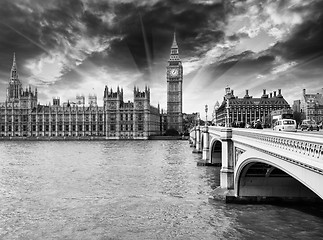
[
  {"x": 125, "y": 136},
  {"x": 86, "y": 117},
  {"x": 66, "y": 128},
  {"x": 24, "y": 118},
  {"x": 53, "y": 128},
  {"x": 315, "y": 112}
]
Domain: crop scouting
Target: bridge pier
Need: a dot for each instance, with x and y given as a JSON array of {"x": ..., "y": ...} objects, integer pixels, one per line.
[
  {"x": 197, "y": 140},
  {"x": 192, "y": 139},
  {"x": 227, "y": 171},
  {"x": 205, "y": 152}
]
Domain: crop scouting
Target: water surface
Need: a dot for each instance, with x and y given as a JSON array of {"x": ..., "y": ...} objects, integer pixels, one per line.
[{"x": 128, "y": 190}]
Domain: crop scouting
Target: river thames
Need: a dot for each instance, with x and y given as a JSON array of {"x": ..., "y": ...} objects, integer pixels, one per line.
[{"x": 128, "y": 190}]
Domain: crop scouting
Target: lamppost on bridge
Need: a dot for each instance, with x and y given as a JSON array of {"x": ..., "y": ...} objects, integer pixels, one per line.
[
  {"x": 205, "y": 150},
  {"x": 206, "y": 108},
  {"x": 198, "y": 119},
  {"x": 198, "y": 135},
  {"x": 227, "y": 122}
]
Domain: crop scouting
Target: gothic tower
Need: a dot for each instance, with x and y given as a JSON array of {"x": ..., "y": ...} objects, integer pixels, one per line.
[
  {"x": 14, "y": 89},
  {"x": 174, "y": 89}
]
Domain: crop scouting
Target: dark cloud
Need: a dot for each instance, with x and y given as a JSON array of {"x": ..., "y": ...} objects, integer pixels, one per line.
[
  {"x": 14, "y": 35},
  {"x": 234, "y": 37},
  {"x": 249, "y": 58},
  {"x": 139, "y": 36},
  {"x": 246, "y": 63},
  {"x": 193, "y": 24},
  {"x": 146, "y": 29},
  {"x": 238, "y": 36},
  {"x": 306, "y": 38},
  {"x": 34, "y": 30}
]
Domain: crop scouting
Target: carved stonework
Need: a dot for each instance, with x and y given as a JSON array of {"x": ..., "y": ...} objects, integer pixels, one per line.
[
  {"x": 238, "y": 152},
  {"x": 303, "y": 147}
]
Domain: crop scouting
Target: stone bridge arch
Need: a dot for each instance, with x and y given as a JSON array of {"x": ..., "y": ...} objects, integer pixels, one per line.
[
  {"x": 215, "y": 151},
  {"x": 260, "y": 174}
]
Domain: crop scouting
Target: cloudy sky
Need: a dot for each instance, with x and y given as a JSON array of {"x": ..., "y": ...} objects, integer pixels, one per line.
[{"x": 70, "y": 47}]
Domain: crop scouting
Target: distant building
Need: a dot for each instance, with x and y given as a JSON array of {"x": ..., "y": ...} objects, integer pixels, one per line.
[
  {"x": 248, "y": 109},
  {"x": 311, "y": 105},
  {"x": 297, "y": 106},
  {"x": 21, "y": 116}
]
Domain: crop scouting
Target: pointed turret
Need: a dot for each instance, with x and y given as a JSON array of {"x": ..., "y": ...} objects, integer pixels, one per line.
[
  {"x": 174, "y": 54},
  {"x": 14, "y": 89},
  {"x": 14, "y": 73},
  {"x": 106, "y": 91},
  {"x": 14, "y": 60},
  {"x": 174, "y": 45}
]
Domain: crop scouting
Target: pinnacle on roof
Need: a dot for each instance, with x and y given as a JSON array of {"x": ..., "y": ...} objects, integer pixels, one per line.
[
  {"x": 174, "y": 45},
  {"x": 14, "y": 64},
  {"x": 14, "y": 60},
  {"x": 13, "y": 73},
  {"x": 174, "y": 55}
]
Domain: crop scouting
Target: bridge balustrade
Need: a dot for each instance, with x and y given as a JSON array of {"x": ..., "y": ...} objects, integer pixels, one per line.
[
  {"x": 310, "y": 146},
  {"x": 304, "y": 144},
  {"x": 299, "y": 148}
]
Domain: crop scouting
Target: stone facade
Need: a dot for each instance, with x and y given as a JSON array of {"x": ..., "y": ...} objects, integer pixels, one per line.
[
  {"x": 311, "y": 104},
  {"x": 22, "y": 116},
  {"x": 248, "y": 109}
]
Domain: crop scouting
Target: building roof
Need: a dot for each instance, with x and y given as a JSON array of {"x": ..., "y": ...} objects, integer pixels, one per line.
[{"x": 252, "y": 102}]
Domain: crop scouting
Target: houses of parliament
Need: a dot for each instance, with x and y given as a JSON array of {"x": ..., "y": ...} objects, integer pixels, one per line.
[{"x": 21, "y": 116}]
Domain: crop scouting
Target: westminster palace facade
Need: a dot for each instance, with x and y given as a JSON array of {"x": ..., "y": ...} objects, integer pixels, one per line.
[{"x": 22, "y": 116}]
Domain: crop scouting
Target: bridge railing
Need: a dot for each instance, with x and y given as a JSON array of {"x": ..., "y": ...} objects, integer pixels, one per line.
[
  {"x": 305, "y": 148},
  {"x": 307, "y": 145}
]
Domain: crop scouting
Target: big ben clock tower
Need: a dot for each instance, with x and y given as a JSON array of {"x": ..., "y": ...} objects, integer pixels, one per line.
[{"x": 174, "y": 89}]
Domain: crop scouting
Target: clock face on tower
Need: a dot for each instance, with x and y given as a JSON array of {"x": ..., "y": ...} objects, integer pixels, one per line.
[{"x": 173, "y": 72}]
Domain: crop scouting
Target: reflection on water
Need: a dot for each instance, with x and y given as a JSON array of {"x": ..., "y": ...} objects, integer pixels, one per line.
[{"x": 127, "y": 190}]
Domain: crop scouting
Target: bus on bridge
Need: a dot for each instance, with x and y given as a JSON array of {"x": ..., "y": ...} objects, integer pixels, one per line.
[{"x": 280, "y": 114}]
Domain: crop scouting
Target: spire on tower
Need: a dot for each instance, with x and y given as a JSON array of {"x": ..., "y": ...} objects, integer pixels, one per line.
[
  {"x": 14, "y": 60},
  {"x": 174, "y": 45},
  {"x": 174, "y": 54},
  {"x": 14, "y": 73}
]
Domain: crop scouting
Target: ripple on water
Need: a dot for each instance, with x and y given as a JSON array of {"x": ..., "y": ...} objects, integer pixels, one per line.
[{"x": 126, "y": 190}]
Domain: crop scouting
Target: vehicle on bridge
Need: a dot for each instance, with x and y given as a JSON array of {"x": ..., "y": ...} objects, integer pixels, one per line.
[
  {"x": 286, "y": 125},
  {"x": 309, "y": 125},
  {"x": 280, "y": 115},
  {"x": 258, "y": 124}
]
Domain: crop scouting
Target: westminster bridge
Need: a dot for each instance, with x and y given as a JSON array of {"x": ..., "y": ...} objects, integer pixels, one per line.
[{"x": 259, "y": 163}]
